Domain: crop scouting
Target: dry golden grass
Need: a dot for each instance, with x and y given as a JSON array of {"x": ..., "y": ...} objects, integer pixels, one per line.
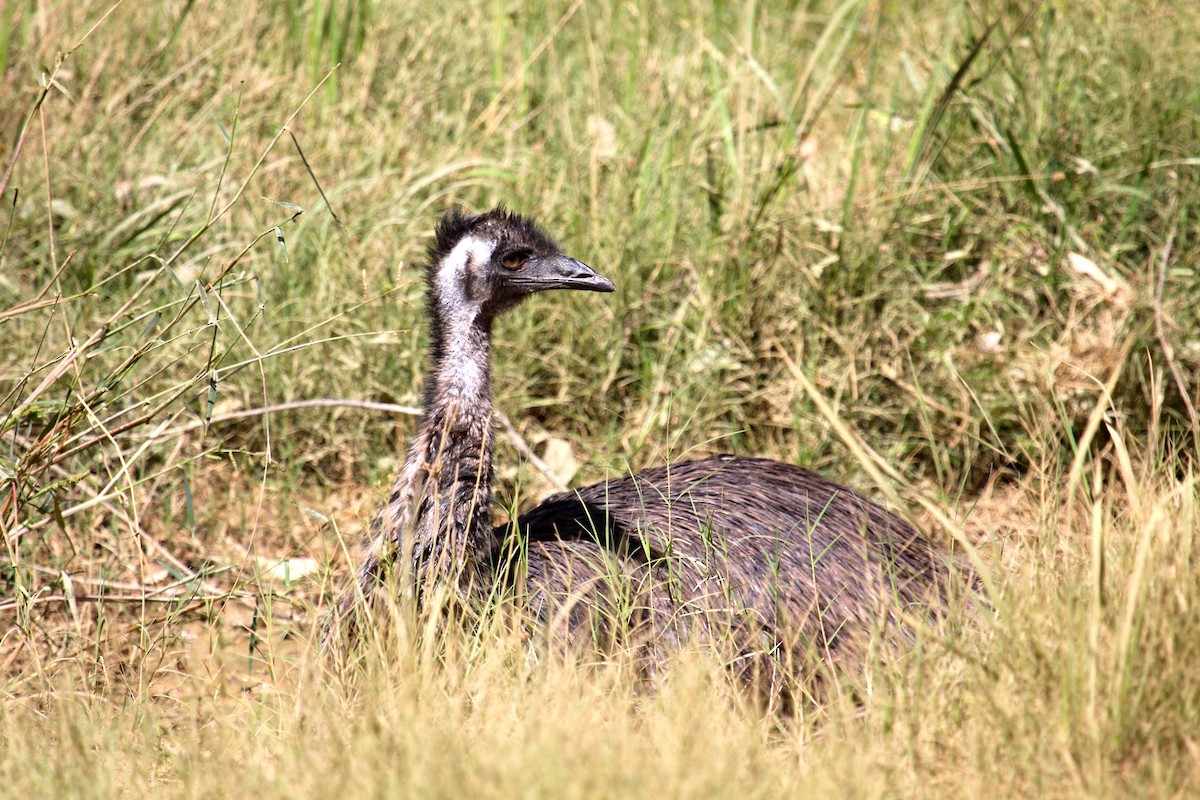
[{"x": 838, "y": 230}]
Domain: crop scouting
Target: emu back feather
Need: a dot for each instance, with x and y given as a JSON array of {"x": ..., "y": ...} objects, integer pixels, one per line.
[{"x": 771, "y": 556}]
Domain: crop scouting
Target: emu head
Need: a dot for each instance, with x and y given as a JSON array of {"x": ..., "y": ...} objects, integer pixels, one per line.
[{"x": 482, "y": 265}]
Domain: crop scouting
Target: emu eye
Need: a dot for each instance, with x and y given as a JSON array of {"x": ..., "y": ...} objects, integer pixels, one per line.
[{"x": 513, "y": 262}]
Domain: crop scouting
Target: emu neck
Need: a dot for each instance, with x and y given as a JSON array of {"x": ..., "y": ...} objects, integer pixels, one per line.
[{"x": 439, "y": 510}]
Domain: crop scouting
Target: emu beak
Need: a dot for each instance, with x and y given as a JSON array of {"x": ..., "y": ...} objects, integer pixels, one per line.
[{"x": 563, "y": 272}]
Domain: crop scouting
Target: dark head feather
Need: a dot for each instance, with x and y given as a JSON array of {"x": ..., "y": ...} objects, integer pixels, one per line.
[{"x": 500, "y": 223}]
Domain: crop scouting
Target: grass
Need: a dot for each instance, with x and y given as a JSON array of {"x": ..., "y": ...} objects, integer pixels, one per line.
[{"x": 971, "y": 230}]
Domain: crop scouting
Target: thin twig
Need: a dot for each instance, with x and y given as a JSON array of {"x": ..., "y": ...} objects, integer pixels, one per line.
[
  {"x": 332, "y": 402},
  {"x": 313, "y": 175},
  {"x": 1160, "y": 331},
  {"x": 108, "y": 598},
  {"x": 175, "y": 588},
  {"x": 523, "y": 448},
  {"x": 510, "y": 431}
]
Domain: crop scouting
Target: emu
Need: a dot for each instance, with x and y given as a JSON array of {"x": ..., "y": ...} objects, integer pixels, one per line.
[{"x": 789, "y": 569}]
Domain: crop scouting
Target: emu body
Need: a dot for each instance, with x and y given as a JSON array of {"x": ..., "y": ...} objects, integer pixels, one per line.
[
  {"x": 776, "y": 555},
  {"x": 775, "y": 560}
]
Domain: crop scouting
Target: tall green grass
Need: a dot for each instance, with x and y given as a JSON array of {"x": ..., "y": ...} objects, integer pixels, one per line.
[{"x": 972, "y": 226}]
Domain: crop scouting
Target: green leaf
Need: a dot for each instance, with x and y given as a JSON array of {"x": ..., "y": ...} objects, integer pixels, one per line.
[
  {"x": 282, "y": 245},
  {"x": 211, "y": 401},
  {"x": 151, "y": 325},
  {"x": 204, "y": 301},
  {"x": 189, "y": 507},
  {"x": 285, "y": 204}
]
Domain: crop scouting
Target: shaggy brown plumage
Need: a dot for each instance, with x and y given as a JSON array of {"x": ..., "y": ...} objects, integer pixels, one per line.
[{"x": 783, "y": 566}]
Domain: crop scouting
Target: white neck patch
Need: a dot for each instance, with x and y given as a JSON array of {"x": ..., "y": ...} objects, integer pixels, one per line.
[
  {"x": 452, "y": 278},
  {"x": 461, "y": 376}
]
